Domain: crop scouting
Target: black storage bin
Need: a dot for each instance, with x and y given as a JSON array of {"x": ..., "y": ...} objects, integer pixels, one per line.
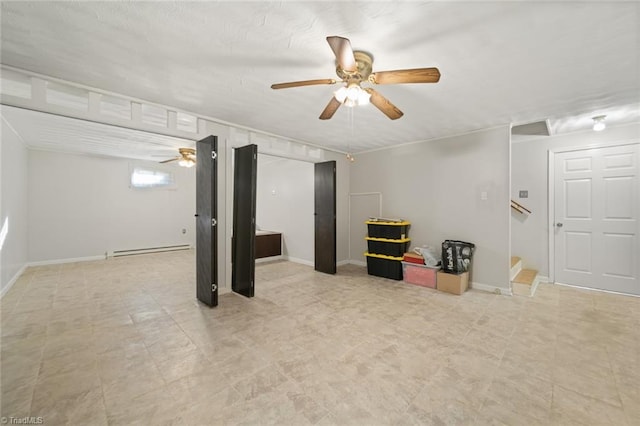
[
  {"x": 456, "y": 256},
  {"x": 384, "y": 266},
  {"x": 395, "y": 248},
  {"x": 389, "y": 230}
]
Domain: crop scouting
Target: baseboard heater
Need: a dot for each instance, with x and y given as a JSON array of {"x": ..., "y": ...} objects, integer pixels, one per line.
[{"x": 131, "y": 252}]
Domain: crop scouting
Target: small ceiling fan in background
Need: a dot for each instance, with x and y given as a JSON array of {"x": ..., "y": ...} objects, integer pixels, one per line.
[
  {"x": 187, "y": 157},
  {"x": 355, "y": 68}
]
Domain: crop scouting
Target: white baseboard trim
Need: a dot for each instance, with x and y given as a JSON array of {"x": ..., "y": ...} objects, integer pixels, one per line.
[
  {"x": 543, "y": 279},
  {"x": 13, "y": 280},
  {"x": 599, "y": 290},
  {"x": 269, "y": 259},
  {"x": 69, "y": 260},
  {"x": 298, "y": 260},
  {"x": 491, "y": 288},
  {"x": 357, "y": 262}
]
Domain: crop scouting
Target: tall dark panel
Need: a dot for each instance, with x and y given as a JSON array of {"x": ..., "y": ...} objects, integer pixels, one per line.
[
  {"x": 206, "y": 221},
  {"x": 244, "y": 220},
  {"x": 325, "y": 217}
]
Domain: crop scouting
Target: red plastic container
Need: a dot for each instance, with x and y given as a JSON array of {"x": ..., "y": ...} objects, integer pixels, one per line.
[{"x": 421, "y": 275}]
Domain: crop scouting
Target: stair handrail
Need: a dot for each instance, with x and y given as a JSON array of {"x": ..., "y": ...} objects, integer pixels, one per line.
[{"x": 519, "y": 207}]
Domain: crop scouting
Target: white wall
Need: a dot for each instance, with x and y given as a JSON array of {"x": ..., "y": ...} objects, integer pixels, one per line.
[
  {"x": 82, "y": 206},
  {"x": 296, "y": 151},
  {"x": 529, "y": 234},
  {"x": 437, "y": 186},
  {"x": 285, "y": 204},
  {"x": 13, "y": 206}
]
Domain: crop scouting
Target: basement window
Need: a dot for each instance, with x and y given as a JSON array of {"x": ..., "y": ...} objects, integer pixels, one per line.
[{"x": 148, "y": 179}]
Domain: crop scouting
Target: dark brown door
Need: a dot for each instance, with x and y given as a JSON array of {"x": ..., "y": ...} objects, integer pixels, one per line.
[
  {"x": 325, "y": 217},
  {"x": 206, "y": 221},
  {"x": 243, "y": 244}
]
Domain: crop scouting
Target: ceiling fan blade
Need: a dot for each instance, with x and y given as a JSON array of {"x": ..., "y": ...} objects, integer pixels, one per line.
[
  {"x": 417, "y": 75},
  {"x": 344, "y": 53},
  {"x": 302, "y": 83},
  {"x": 330, "y": 109},
  {"x": 383, "y": 104},
  {"x": 170, "y": 160}
]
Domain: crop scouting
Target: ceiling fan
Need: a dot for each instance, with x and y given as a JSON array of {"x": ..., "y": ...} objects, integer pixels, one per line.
[
  {"x": 187, "y": 157},
  {"x": 355, "y": 68}
]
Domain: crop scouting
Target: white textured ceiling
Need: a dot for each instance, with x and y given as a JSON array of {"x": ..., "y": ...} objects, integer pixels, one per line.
[
  {"x": 56, "y": 133},
  {"x": 501, "y": 62}
]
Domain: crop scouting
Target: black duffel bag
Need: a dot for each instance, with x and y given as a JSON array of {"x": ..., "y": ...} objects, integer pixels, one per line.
[{"x": 456, "y": 256}]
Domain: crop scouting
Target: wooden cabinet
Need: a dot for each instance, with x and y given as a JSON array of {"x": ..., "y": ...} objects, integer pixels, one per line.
[{"x": 268, "y": 244}]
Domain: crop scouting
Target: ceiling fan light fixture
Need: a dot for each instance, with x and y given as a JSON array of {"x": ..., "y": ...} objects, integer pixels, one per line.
[
  {"x": 598, "y": 123},
  {"x": 186, "y": 162},
  {"x": 352, "y": 95}
]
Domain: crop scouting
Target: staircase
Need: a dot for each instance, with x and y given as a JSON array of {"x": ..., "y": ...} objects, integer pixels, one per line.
[{"x": 523, "y": 281}]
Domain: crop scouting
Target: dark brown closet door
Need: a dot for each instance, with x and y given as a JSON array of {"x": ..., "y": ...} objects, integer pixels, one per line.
[
  {"x": 244, "y": 220},
  {"x": 325, "y": 217},
  {"x": 206, "y": 221}
]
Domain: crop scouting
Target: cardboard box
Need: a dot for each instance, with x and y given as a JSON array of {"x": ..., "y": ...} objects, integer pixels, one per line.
[
  {"x": 453, "y": 283},
  {"x": 413, "y": 258}
]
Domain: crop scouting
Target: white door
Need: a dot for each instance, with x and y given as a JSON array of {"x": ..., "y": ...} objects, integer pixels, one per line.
[{"x": 597, "y": 203}]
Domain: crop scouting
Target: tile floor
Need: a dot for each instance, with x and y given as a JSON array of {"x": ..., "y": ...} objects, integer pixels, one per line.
[{"x": 122, "y": 341}]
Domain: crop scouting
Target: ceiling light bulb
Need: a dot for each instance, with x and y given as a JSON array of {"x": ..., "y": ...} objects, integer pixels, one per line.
[
  {"x": 340, "y": 94},
  {"x": 186, "y": 162},
  {"x": 363, "y": 97},
  {"x": 353, "y": 92},
  {"x": 598, "y": 123}
]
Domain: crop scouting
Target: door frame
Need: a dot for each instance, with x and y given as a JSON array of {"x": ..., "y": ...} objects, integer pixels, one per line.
[{"x": 551, "y": 209}]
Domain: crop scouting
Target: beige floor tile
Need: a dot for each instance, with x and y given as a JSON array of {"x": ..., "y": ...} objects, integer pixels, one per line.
[
  {"x": 531, "y": 397},
  {"x": 449, "y": 412},
  {"x": 123, "y": 341},
  {"x": 16, "y": 398},
  {"x": 595, "y": 385},
  {"x": 140, "y": 380},
  {"x": 67, "y": 397},
  {"x": 242, "y": 365},
  {"x": 265, "y": 384},
  {"x": 570, "y": 407},
  {"x": 151, "y": 408}
]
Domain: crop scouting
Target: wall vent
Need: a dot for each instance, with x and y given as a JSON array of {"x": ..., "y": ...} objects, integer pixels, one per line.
[{"x": 131, "y": 252}]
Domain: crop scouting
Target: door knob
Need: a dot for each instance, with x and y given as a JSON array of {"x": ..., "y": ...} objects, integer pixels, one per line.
[{"x": 559, "y": 224}]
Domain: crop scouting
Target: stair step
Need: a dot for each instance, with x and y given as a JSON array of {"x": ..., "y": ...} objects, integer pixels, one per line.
[
  {"x": 514, "y": 260},
  {"x": 526, "y": 276}
]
